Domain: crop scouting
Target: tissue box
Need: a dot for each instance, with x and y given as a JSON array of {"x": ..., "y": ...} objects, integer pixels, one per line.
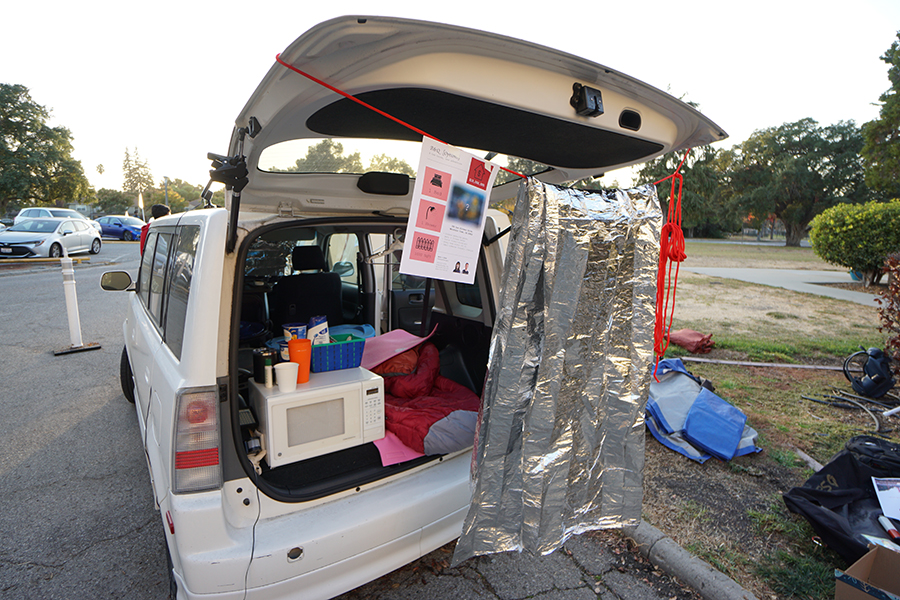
[
  {"x": 875, "y": 575},
  {"x": 344, "y": 352}
]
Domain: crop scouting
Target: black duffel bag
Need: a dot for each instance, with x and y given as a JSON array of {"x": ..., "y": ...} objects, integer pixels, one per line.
[{"x": 839, "y": 501}]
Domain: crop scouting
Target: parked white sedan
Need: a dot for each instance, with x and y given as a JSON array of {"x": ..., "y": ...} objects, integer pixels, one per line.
[{"x": 47, "y": 237}]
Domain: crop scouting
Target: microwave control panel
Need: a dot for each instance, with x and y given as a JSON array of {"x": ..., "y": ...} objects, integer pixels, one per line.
[{"x": 373, "y": 409}]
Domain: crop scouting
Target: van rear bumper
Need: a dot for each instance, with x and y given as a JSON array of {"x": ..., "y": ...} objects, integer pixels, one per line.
[{"x": 333, "y": 547}]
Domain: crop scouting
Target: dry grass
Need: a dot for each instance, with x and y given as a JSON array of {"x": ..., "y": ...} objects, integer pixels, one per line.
[{"x": 731, "y": 514}]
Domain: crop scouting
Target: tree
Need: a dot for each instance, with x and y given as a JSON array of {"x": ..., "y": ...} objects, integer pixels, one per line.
[
  {"x": 795, "y": 171},
  {"x": 881, "y": 150},
  {"x": 383, "y": 162},
  {"x": 36, "y": 164},
  {"x": 113, "y": 202},
  {"x": 157, "y": 195},
  {"x": 137, "y": 173},
  {"x": 327, "y": 157},
  {"x": 704, "y": 210}
]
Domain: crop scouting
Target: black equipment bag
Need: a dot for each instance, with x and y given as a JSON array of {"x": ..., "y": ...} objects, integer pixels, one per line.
[
  {"x": 840, "y": 502},
  {"x": 876, "y": 380}
]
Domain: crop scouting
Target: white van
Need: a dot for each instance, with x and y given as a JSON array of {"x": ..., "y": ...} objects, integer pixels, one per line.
[{"x": 312, "y": 228}]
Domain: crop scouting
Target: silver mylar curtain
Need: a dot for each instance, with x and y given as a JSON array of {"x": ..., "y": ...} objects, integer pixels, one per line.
[{"x": 560, "y": 445}]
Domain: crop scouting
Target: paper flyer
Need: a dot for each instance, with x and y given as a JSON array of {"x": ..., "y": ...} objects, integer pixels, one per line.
[
  {"x": 888, "y": 492},
  {"x": 446, "y": 219}
]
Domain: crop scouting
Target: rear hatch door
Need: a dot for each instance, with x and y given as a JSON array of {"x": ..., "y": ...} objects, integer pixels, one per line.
[{"x": 569, "y": 117}]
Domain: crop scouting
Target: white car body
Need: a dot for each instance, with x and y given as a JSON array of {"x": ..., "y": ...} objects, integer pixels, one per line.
[
  {"x": 237, "y": 534},
  {"x": 47, "y": 238},
  {"x": 52, "y": 212}
]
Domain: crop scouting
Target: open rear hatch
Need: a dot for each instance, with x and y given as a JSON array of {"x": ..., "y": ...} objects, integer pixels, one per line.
[
  {"x": 573, "y": 117},
  {"x": 555, "y": 114}
]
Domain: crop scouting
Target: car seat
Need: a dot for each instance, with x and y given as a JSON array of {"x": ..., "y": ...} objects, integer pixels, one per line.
[{"x": 310, "y": 293}]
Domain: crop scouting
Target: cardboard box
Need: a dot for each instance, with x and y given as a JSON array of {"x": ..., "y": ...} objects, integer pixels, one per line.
[{"x": 875, "y": 575}]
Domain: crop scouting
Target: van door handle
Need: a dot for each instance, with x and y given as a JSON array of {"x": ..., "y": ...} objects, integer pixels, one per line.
[{"x": 416, "y": 298}]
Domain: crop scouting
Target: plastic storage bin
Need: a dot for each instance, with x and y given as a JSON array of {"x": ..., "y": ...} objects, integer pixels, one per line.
[{"x": 344, "y": 352}]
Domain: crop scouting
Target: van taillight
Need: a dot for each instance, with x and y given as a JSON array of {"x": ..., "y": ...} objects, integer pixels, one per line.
[{"x": 196, "y": 449}]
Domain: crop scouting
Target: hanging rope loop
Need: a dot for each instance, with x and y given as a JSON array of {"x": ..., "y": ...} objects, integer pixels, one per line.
[{"x": 671, "y": 252}]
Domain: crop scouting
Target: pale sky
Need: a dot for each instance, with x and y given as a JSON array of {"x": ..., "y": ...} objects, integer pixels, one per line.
[{"x": 169, "y": 78}]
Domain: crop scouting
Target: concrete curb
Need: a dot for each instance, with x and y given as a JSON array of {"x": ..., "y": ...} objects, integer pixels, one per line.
[{"x": 663, "y": 552}]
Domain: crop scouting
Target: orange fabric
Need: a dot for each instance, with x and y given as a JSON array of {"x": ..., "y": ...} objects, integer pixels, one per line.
[{"x": 402, "y": 364}]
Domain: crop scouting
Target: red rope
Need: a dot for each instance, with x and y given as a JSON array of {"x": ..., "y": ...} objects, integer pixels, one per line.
[
  {"x": 369, "y": 106},
  {"x": 671, "y": 251}
]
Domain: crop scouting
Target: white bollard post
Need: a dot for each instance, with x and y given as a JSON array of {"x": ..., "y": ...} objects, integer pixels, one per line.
[{"x": 68, "y": 271}]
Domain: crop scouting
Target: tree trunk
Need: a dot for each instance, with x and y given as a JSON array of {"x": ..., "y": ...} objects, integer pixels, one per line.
[{"x": 793, "y": 233}]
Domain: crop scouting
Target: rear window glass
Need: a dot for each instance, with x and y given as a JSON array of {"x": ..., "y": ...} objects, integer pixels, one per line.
[
  {"x": 180, "y": 276},
  {"x": 158, "y": 276},
  {"x": 144, "y": 274},
  {"x": 362, "y": 155}
]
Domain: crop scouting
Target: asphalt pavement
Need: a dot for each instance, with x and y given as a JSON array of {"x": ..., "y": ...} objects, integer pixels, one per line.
[{"x": 77, "y": 518}]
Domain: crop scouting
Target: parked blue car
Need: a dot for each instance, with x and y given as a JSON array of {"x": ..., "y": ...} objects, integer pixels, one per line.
[{"x": 121, "y": 227}]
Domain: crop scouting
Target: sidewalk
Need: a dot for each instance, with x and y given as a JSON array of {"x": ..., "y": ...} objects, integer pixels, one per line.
[
  {"x": 588, "y": 567},
  {"x": 810, "y": 282}
]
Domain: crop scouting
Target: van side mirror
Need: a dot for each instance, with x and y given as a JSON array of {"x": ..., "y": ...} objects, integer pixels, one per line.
[
  {"x": 343, "y": 268},
  {"x": 117, "y": 281}
]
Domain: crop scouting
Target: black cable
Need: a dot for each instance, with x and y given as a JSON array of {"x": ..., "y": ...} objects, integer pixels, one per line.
[{"x": 253, "y": 536}]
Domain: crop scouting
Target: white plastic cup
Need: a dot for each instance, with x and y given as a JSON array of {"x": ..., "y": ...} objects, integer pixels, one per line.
[{"x": 286, "y": 376}]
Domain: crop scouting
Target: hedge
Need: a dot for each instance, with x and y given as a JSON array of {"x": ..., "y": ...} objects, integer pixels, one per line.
[{"x": 858, "y": 236}]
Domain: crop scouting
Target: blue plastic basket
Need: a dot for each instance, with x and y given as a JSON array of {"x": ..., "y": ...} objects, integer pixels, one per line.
[{"x": 344, "y": 352}]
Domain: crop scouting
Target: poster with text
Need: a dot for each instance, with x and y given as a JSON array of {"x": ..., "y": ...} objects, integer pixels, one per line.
[{"x": 446, "y": 219}]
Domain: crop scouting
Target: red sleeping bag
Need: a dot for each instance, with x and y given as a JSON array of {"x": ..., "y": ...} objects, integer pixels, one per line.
[{"x": 428, "y": 412}]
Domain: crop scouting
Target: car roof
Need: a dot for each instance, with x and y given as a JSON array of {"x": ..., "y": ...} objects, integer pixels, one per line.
[{"x": 467, "y": 88}]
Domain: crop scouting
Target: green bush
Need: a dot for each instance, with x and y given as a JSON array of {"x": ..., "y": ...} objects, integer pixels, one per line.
[{"x": 858, "y": 236}]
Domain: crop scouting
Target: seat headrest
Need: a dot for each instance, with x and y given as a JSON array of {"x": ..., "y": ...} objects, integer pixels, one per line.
[{"x": 307, "y": 258}]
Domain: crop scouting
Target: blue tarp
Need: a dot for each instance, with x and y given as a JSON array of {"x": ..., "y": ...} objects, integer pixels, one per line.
[{"x": 692, "y": 420}]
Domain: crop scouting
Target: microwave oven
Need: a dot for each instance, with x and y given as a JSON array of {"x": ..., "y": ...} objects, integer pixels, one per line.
[{"x": 334, "y": 410}]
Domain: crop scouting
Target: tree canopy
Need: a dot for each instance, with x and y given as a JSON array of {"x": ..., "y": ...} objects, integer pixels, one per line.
[
  {"x": 137, "y": 175},
  {"x": 881, "y": 150},
  {"x": 36, "y": 164},
  {"x": 328, "y": 156},
  {"x": 795, "y": 171},
  {"x": 114, "y": 202},
  {"x": 704, "y": 211}
]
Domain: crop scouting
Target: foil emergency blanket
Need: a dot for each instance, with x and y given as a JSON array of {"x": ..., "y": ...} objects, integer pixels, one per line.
[{"x": 560, "y": 444}]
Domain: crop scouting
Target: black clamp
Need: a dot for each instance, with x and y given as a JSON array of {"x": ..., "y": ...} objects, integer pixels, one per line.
[
  {"x": 587, "y": 101},
  {"x": 229, "y": 170}
]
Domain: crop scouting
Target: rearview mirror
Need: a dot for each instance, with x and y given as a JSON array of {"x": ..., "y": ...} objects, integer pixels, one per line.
[{"x": 116, "y": 281}]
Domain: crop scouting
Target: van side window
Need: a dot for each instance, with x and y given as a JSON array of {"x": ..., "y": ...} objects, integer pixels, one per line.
[
  {"x": 469, "y": 294},
  {"x": 158, "y": 277},
  {"x": 179, "y": 281},
  {"x": 143, "y": 285}
]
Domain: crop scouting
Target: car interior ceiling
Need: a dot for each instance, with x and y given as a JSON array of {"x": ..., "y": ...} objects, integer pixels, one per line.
[{"x": 282, "y": 265}]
